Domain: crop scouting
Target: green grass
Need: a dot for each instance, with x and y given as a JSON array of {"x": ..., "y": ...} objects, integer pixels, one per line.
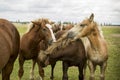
[
  {"x": 22, "y": 28},
  {"x": 112, "y": 35}
]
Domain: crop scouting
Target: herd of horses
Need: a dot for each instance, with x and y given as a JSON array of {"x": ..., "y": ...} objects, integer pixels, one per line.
[{"x": 45, "y": 43}]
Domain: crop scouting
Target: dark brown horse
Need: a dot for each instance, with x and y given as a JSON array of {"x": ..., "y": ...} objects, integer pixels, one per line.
[
  {"x": 31, "y": 42},
  {"x": 9, "y": 47},
  {"x": 97, "y": 53},
  {"x": 73, "y": 54},
  {"x": 58, "y": 35}
]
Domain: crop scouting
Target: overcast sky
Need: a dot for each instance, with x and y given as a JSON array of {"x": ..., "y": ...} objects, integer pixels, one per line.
[{"x": 61, "y": 10}]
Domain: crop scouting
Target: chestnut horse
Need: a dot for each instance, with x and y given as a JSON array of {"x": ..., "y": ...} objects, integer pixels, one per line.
[
  {"x": 9, "y": 47},
  {"x": 97, "y": 51},
  {"x": 31, "y": 42}
]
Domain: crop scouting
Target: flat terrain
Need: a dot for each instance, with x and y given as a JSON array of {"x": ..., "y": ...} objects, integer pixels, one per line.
[{"x": 112, "y": 35}]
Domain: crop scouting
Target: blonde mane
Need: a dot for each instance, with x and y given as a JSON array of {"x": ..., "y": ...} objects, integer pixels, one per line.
[{"x": 99, "y": 29}]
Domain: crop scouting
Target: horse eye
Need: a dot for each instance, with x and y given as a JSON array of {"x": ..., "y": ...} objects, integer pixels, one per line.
[
  {"x": 82, "y": 25},
  {"x": 44, "y": 29}
]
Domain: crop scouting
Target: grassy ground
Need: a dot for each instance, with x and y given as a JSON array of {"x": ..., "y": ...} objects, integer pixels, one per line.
[{"x": 112, "y": 35}]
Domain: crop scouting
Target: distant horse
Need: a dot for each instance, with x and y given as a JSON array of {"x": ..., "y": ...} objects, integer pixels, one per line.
[
  {"x": 97, "y": 51},
  {"x": 68, "y": 27},
  {"x": 31, "y": 43},
  {"x": 56, "y": 27},
  {"x": 71, "y": 53},
  {"x": 60, "y": 27},
  {"x": 9, "y": 47}
]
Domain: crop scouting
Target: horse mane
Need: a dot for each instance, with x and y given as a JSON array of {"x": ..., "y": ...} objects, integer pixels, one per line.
[
  {"x": 60, "y": 44},
  {"x": 99, "y": 29},
  {"x": 31, "y": 25}
]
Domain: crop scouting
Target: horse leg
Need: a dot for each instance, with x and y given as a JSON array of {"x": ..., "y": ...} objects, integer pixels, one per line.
[
  {"x": 32, "y": 70},
  {"x": 65, "y": 68},
  {"x": 102, "y": 70},
  {"x": 52, "y": 70},
  {"x": 92, "y": 68},
  {"x": 80, "y": 68},
  {"x": 21, "y": 63},
  {"x": 84, "y": 71},
  {"x": 41, "y": 71},
  {"x": 6, "y": 71}
]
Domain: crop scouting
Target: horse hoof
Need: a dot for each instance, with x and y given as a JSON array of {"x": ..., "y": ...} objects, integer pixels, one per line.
[
  {"x": 31, "y": 78},
  {"x": 51, "y": 78}
]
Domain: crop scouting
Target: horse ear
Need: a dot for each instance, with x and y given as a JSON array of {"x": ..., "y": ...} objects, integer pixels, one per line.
[
  {"x": 35, "y": 22},
  {"x": 91, "y": 17}
]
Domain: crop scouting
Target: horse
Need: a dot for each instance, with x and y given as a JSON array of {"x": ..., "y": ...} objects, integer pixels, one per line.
[
  {"x": 71, "y": 53},
  {"x": 97, "y": 53},
  {"x": 31, "y": 43},
  {"x": 60, "y": 27},
  {"x": 9, "y": 47},
  {"x": 56, "y": 27},
  {"x": 68, "y": 27},
  {"x": 58, "y": 34}
]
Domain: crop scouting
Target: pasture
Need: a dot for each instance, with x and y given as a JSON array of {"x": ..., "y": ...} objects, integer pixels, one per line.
[{"x": 111, "y": 34}]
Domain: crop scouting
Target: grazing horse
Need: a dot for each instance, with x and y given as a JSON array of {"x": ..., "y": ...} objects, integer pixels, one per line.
[
  {"x": 9, "y": 47},
  {"x": 97, "y": 51},
  {"x": 71, "y": 53},
  {"x": 31, "y": 43}
]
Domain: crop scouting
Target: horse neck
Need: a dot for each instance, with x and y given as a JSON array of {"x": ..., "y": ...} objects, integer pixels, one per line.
[
  {"x": 55, "y": 51},
  {"x": 34, "y": 37},
  {"x": 95, "y": 38},
  {"x": 56, "y": 55}
]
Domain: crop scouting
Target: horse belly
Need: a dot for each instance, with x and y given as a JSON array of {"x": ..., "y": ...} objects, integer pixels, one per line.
[
  {"x": 5, "y": 52},
  {"x": 4, "y": 57}
]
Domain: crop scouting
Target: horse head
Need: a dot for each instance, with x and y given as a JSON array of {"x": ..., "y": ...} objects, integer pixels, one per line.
[
  {"x": 43, "y": 58},
  {"x": 43, "y": 30},
  {"x": 87, "y": 27}
]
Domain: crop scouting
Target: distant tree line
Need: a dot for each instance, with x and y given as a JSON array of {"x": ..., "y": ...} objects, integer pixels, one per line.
[
  {"x": 59, "y": 22},
  {"x": 109, "y": 24}
]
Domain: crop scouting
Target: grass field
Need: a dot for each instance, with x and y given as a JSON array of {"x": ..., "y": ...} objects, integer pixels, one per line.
[{"x": 112, "y": 35}]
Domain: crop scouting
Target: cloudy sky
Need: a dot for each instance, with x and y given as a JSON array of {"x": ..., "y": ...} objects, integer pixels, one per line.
[{"x": 61, "y": 10}]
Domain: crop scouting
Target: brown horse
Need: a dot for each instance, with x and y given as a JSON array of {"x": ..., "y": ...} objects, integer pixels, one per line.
[
  {"x": 97, "y": 51},
  {"x": 60, "y": 27},
  {"x": 68, "y": 27},
  {"x": 31, "y": 42},
  {"x": 9, "y": 47},
  {"x": 71, "y": 53},
  {"x": 56, "y": 27},
  {"x": 58, "y": 34}
]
